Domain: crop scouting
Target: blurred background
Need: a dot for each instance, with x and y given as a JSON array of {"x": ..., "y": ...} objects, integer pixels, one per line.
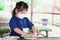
[{"x": 40, "y": 12}]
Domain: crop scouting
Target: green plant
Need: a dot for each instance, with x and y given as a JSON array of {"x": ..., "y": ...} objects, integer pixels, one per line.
[
  {"x": 3, "y": 31},
  {"x": 30, "y": 31}
]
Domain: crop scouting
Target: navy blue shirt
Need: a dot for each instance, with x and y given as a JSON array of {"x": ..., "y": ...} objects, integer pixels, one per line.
[{"x": 16, "y": 22}]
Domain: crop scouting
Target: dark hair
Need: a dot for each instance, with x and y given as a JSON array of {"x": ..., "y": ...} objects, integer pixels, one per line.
[{"x": 20, "y": 6}]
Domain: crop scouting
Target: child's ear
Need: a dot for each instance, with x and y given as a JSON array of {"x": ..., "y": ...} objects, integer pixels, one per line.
[{"x": 16, "y": 10}]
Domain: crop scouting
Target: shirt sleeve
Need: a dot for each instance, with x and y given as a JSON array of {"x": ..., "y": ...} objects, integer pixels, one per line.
[
  {"x": 12, "y": 24},
  {"x": 29, "y": 23}
]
